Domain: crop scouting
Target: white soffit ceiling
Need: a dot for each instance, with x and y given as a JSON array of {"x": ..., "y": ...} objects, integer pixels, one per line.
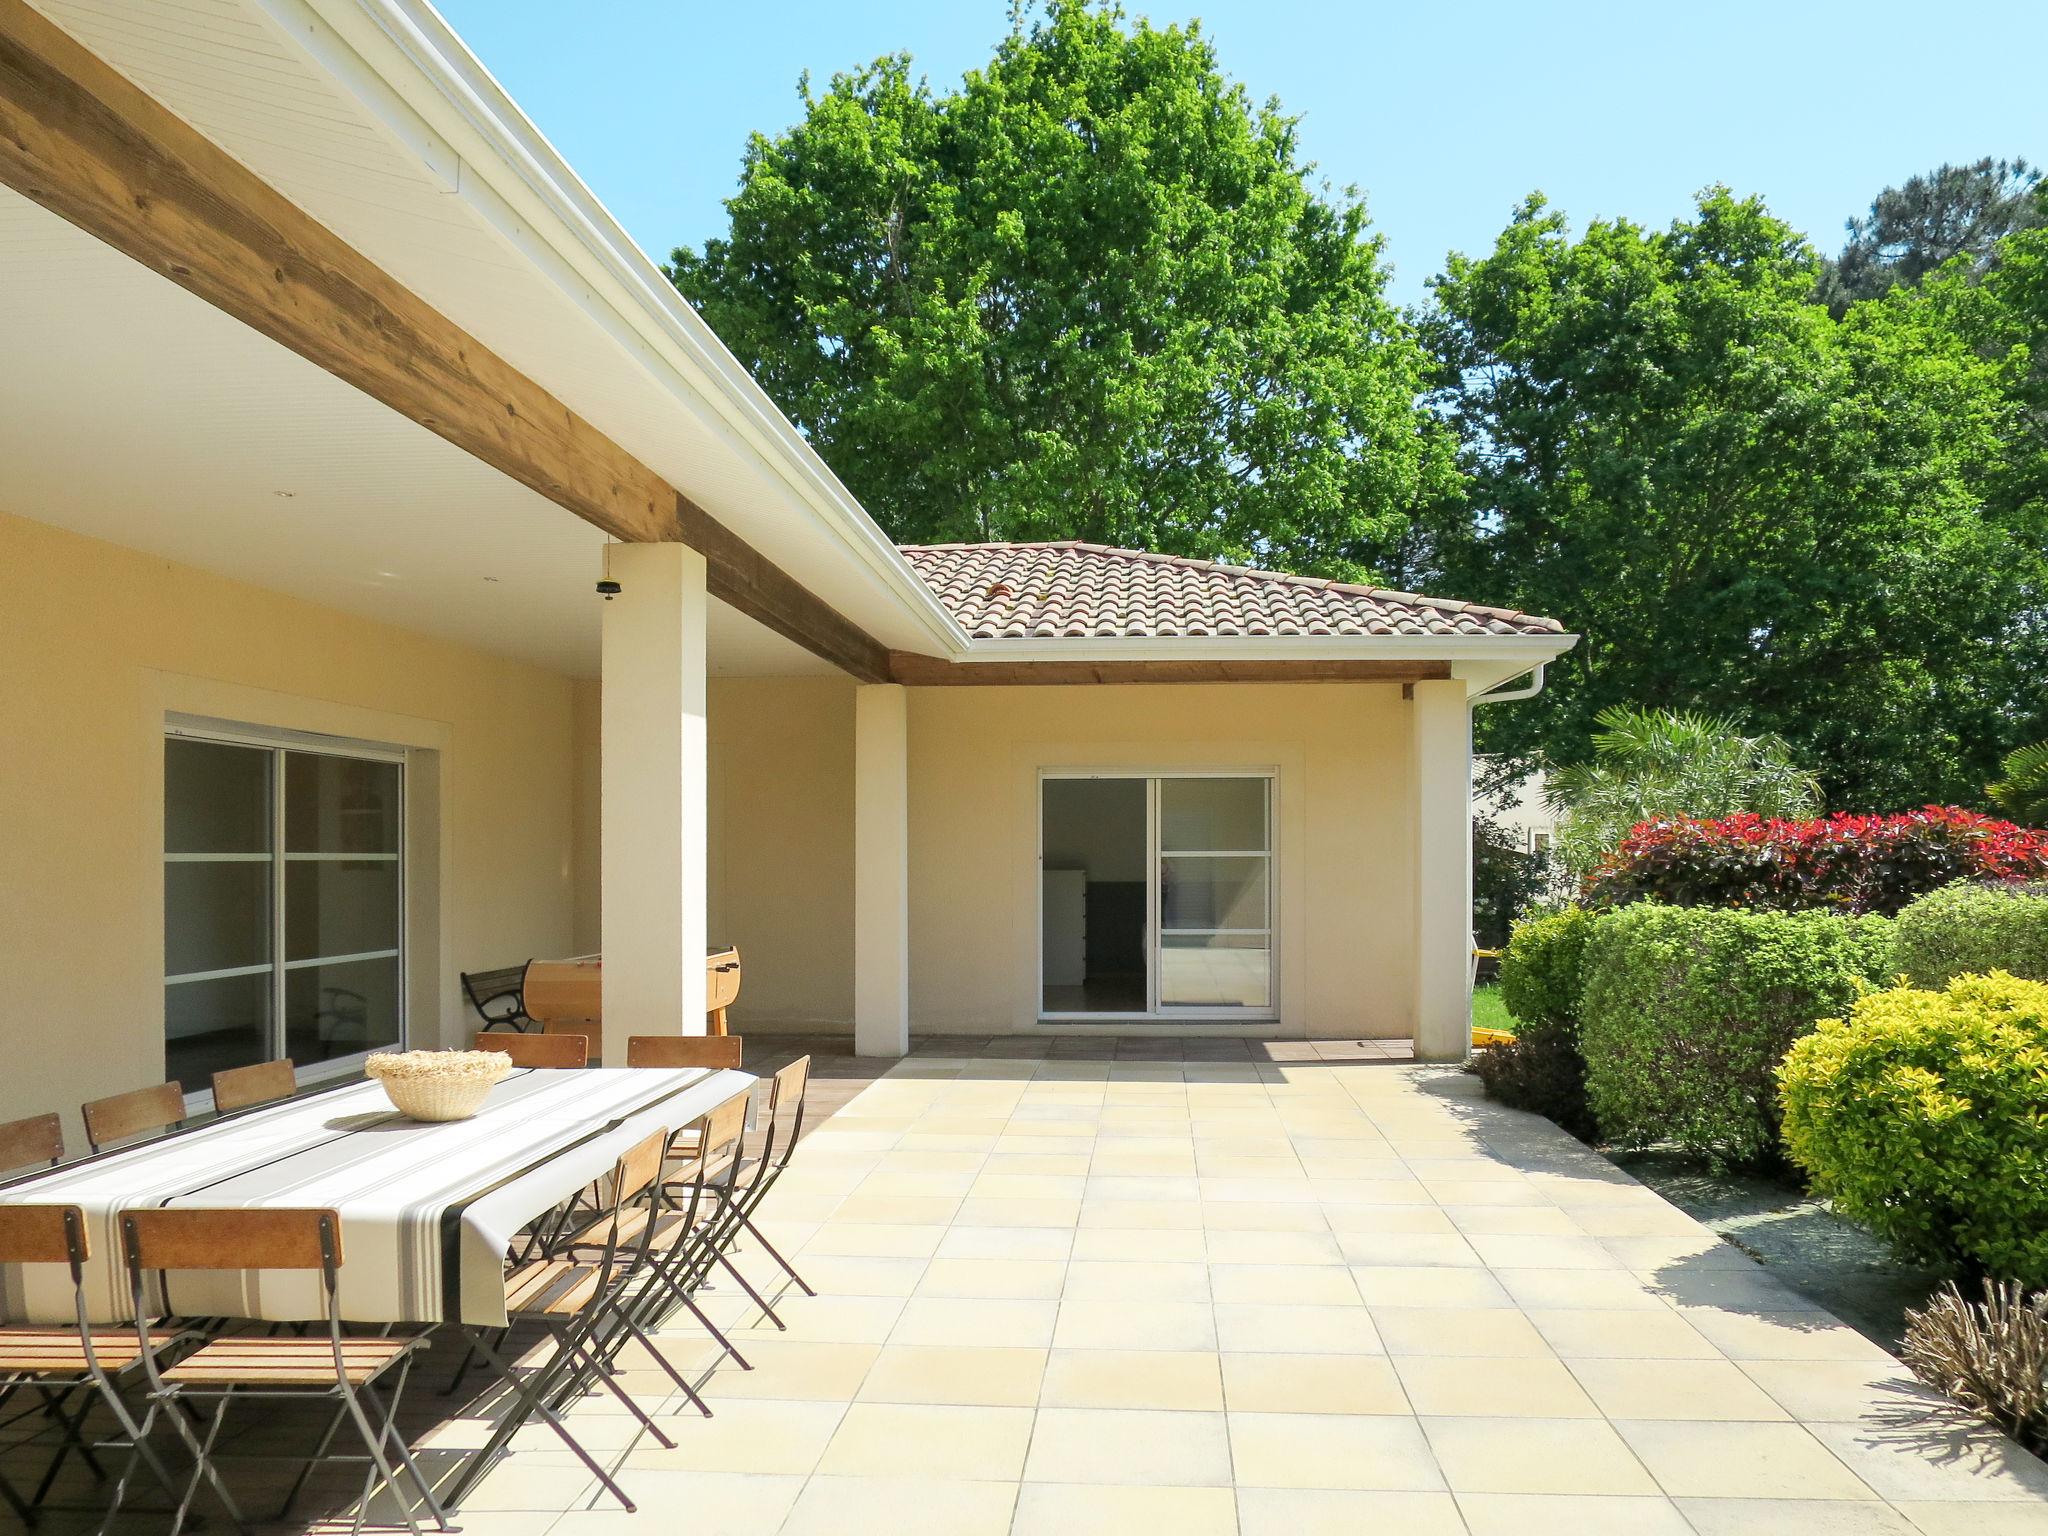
[
  {"x": 333, "y": 137},
  {"x": 134, "y": 412}
]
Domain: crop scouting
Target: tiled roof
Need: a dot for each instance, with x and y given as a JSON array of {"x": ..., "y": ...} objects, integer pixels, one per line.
[{"x": 1077, "y": 591}]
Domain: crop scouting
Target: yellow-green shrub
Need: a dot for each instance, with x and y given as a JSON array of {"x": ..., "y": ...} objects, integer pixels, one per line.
[
  {"x": 1539, "y": 974},
  {"x": 1965, "y": 930},
  {"x": 1924, "y": 1115}
]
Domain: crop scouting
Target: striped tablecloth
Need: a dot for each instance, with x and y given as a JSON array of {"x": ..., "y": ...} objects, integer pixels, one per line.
[{"x": 426, "y": 1210}]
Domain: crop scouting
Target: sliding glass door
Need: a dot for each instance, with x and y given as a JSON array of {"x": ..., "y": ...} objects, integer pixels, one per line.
[
  {"x": 1156, "y": 895},
  {"x": 284, "y": 904}
]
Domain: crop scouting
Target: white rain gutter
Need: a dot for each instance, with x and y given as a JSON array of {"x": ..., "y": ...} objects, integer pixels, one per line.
[{"x": 1499, "y": 695}]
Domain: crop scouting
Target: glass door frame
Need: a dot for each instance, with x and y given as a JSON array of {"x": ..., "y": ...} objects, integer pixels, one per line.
[
  {"x": 1154, "y": 1011},
  {"x": 278, "y": 743}
]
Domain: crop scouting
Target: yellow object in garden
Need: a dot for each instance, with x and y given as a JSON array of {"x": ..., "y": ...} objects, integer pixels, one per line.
[{"x": 1491, "y": 1036}]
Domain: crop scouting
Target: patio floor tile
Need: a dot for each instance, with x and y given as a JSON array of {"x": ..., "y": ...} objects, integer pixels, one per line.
[
  {"x": 1327, "y": 1450},
  {"x": 1060, "y": 1509},
  {"x": 1567, "y": 1514},
  {"x": 1123, "y": 1445},
  {"x": 1139, "y": 1378},
  {"x": 887, "y": 1506},
  {"x": 1515, "y": 1387},
  {"x": 1257, "y": 1383},
  {"x": 914, "y": 1440},
  {"x": 1767, "y": 1461},
  {"x": 1498, "y": 1455},
  {"x": 1330, "y": 1512},
  {"x": 940, "y": 1374},
  {"x": 1674, "y": 1389}
]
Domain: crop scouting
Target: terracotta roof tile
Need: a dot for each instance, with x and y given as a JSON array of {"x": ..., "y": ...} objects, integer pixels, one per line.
[{"x": 1073, "y": 590}]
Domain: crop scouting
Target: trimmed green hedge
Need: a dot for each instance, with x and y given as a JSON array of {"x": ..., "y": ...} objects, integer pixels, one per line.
[
  {"x": 1924, "y": 1115},
  {"x": 1686, "y": 1013},
  {"x": 1539, "y": 974},
  {"x": 1965, "y": 930}
]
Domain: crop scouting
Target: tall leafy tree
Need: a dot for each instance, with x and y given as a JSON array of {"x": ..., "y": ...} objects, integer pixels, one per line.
[
  {"x": 1092, "y": 292},
  {"x": 1954, "y": 211},
  {"x": 1746, "y": 506}
]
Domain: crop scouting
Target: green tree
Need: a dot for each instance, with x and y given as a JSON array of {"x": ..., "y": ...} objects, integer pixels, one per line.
[
  {"x": 1651, "y": 763},
  {"x": 1092, "y": 292},
  {"x": 1745, "y": 506},
  {"x": 1912, "y": 230},
  {"x": 2022, "y": 791}
]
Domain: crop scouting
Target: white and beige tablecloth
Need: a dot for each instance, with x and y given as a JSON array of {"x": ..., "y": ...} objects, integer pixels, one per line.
[{"x": 427, "y": 1210}]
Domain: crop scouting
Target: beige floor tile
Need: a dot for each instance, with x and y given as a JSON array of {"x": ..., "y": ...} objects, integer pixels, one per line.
[
  {"x": 1483, "y": 1192},
  {"x": 1408, "y": 1217},
  {"x": 1028, "y": 1186},
  {"x": 746, "y": 1436},
  {"x": 1140, "y": 1214},
  {"x": 1116, "y": 1186},
  {"x": 1247, "y": 1216},
  {"x": 1511, "y": 1387},
  {"x": 894, "y": 1506},
  {"x": 1426, "y": 1285},
  {"x": 529, "y": 1482},
  {"x": 1961, "y": 1519},
  {"x": 1328, "y": 1450},
  {"x": 1578, "y": 1290},
  {"x": 1287, "y": 1285},
  {"x": 1015, "y": 1324},
  {"x": 1519, "y": 1250},
  {"x": 1625, "y": 1335},
  {"x": 915, "y": 1440},
  {"x": 981, "y": 1211},
  {"x": 1674, "y": 1389},
  {"x": 1740, "y": 1461},
  {"x": 1844, "y": 1391},
  {"x": 1261, "y": 1329},
  {"x": 863, "y": 1240},
  {"x": 720, "y": 1504},
  {"x": 1781, "y": 1335},
  {"x": 887, "y": 1184},
  {"x": 1348, "y": 1512},
  {"x": 1003, "y": 1279},
  {"x": 1521, "y": 1220},
  {"x": 1103, "y": 1509},
  {"x": 1136, "y": 1281},
  {"x": 1267, "y": 1383},
  {"x": 1936, "y": 1461},
  {"x": 1144, "y": 1245},
  {"x": 1057, "y": 1164},
  {"x": 1570, "y": 1514},
  {"x": 1123, "y": 1445},
  {"x": 895, "y": 1210},
  {"x": 826, "y": 1319},
  {"x": 1443, "y": 1331},
  {"x": 1137, "y": 1378},
  {"x": 832, "y": 1275},
  {"x": 964, "y": 1242},
  {"x": 798, "y": 1369},
  {"x": 1498, "y": 1455},
  {"x": 1227, "y": 1247},
  {"x": 1806, "y": 1517},
  {"x": 970, "y": 1375},
  {"x": 1183, "y": 1325},
  {"x": 1407, "y": 1250}
]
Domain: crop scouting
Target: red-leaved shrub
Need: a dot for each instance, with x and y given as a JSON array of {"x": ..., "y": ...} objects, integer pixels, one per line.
[{"x": 1841, "y": 862}]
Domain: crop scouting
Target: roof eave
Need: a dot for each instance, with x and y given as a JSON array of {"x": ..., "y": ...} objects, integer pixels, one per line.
[{"x": 1527, "y": 649}]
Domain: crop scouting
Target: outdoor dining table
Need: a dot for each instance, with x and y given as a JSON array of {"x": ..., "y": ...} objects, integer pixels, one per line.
[{"x": 427, "y": 1209}]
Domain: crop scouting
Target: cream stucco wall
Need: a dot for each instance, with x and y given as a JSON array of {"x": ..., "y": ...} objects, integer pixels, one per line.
[
  {"x": 1343, "y": 808},
  {"x": 97, "y": 644}
]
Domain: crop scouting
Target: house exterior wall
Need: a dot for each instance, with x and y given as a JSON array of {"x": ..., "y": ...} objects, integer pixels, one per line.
[
  {"x": 782, "y": 855},
  {"x": 1343, "y": 815},
  {"x": 97, "y": 644}
]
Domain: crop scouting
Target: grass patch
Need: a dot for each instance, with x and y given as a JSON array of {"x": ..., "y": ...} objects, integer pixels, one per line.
[{"x": 1488, "y": 1011}]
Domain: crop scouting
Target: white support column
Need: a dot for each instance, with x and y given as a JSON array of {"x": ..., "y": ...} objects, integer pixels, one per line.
[
  {"x": 881, "y": 870},
  {"x": 1440, "y": 761},
  {"x": 652, "y": 800}
]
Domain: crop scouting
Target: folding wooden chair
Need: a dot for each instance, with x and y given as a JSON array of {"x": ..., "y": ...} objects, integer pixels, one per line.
[
  {"x": 552, "y": 1051},
  {"x": 247, "y": 1087},
  {"x": 229, "y": 1370},
  {"x": 24, "y": 1143},
  {"x": 142, "y": 1110},
  {"x": 578, "y": 1304},
  {"x": 681, "y": 1051},
  {"x": 59, "y": 1364},
  {"x": 786, "y": 1095}
]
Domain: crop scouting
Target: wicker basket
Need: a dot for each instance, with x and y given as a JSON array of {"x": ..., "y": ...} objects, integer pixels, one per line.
[{"x": 438, "y": 1085}]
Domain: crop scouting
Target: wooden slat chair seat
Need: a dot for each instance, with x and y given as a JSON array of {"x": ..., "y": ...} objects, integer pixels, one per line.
[
  {"x": 136, "y": 1113},
  {"x": 280, "y": 1362},
  {"x": 331, "y": 1365},
  {"x": 61, "y": 1351},
  {"x": 553, "y": 1287},
  {"x": 60, "y": 1363}
]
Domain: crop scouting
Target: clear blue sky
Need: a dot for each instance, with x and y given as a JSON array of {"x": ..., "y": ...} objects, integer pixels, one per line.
[{"x": 1445, "y": 115}]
